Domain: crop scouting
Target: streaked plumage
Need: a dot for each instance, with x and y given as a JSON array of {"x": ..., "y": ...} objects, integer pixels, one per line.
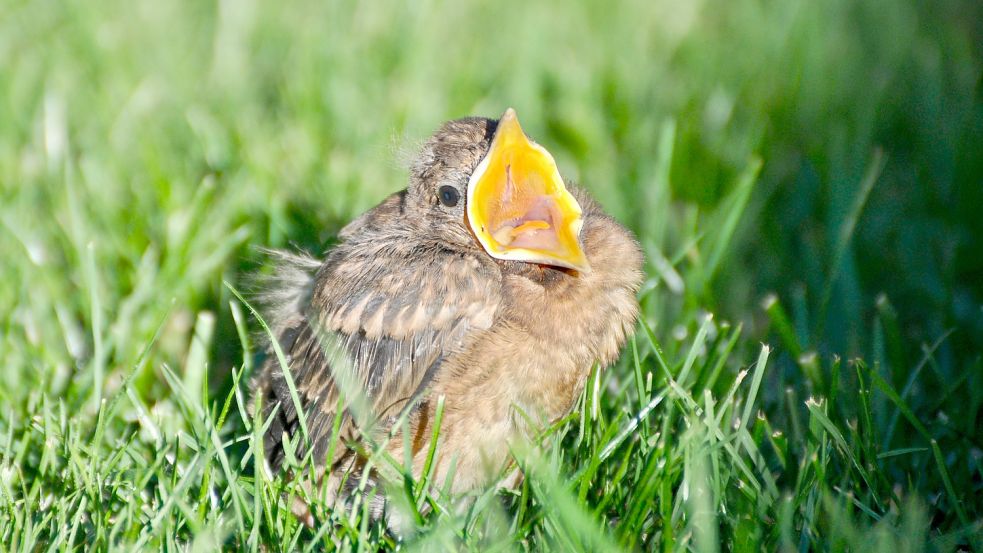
[{"x": 410, "y": 307}]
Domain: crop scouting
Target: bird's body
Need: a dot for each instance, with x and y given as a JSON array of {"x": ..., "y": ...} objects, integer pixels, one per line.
[{"x": 410, "y": 308}]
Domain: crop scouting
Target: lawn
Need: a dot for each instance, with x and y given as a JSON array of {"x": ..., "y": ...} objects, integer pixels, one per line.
[{"x": 806, "y": 179}]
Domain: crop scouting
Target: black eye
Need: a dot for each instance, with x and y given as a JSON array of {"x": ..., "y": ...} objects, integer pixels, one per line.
[{"x": 448, "y": 195}]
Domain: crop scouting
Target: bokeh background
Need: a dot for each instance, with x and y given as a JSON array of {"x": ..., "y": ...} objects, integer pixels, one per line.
[
  {"x": 284, "y": 121},
  {"x": 812, "y": 170}
]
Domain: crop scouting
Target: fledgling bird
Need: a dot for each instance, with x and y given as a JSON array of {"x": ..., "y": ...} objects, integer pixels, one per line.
[{"x": 487, "y": 282}]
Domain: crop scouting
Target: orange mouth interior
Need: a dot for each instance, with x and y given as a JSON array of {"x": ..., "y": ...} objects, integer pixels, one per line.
[{"x": 518, "y": 206}]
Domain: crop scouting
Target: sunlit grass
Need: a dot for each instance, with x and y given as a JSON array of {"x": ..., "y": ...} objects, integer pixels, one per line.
[{"x": 803, "y": 177}]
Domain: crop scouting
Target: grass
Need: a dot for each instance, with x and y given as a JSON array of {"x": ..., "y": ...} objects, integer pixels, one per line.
[{"x": 807, "y": 173}]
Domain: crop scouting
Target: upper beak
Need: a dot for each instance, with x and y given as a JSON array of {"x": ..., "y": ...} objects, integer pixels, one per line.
[{"x": 518, "y": 207}]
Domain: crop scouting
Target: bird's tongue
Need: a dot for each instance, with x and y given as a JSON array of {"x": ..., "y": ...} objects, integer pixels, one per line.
[{"x": 533, "y": 230}]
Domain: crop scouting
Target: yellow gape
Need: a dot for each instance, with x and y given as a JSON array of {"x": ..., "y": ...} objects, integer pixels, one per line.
[{"x": 518, "y": 206}]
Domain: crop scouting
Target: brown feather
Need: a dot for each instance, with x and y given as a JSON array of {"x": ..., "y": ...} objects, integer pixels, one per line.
[{"x": 412, "y": 306}]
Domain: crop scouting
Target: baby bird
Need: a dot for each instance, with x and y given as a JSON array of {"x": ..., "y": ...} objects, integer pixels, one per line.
[{"x": 487, "y": 282}]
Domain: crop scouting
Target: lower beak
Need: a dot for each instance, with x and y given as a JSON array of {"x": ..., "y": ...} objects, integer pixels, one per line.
[{"x": 518, "y": 206}]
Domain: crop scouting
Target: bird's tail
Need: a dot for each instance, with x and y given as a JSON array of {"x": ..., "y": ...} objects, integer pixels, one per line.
[{"x": 282, "y": 297}]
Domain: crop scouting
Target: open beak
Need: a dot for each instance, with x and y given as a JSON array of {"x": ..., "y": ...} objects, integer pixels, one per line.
[{"x": 518, "y": 207}]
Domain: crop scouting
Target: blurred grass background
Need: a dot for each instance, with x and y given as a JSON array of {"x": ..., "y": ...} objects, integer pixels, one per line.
[{"x": 811, "y": 171}]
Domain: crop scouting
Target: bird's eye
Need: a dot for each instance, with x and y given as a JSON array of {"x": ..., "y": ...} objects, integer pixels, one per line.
[{"x": 449, "y": 195}]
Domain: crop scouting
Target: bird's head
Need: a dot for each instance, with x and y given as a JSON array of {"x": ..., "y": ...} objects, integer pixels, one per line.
[{"x": 483, "y": 184}]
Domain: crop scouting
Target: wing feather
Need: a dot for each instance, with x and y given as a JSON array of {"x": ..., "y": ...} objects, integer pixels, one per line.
[{"x": 380, "y": 313}]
